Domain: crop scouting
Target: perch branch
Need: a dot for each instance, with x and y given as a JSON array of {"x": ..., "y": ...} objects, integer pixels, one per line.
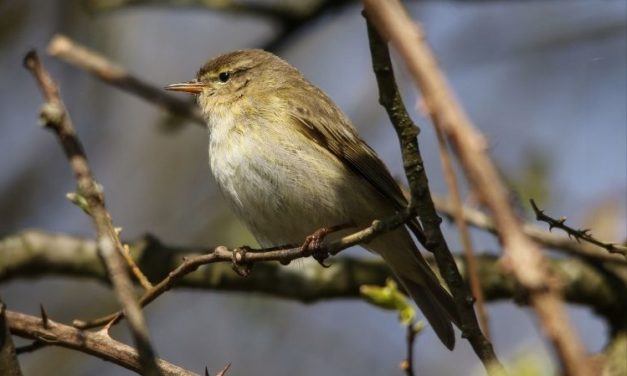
[
  {"x": 55, "y": 118},
  {"x": 522, "y": 256}
]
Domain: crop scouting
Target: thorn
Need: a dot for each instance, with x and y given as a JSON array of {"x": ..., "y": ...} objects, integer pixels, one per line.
[
  {"x": 44, "y": 317},
  {"x": 224, "y": 369},
  {"x": 206, "y": 371}
]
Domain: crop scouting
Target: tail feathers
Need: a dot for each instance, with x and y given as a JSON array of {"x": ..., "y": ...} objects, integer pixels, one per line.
[{"x": 438, "y": 311}]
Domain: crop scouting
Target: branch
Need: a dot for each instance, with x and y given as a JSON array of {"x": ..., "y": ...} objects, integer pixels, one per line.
[
  {"x": 73, "y": 53},
  {"x": 522, "y": 256},
  {"x": 38, "y": 254},
  {"x": 390, "y": 99},
  {"x": 90, "y": 198},
  {"x": 547, "y": 239},
  {"x": 577, "y": 234},
  {"x": 98, "y": 344},
  {"x": 9, "y": 365}
]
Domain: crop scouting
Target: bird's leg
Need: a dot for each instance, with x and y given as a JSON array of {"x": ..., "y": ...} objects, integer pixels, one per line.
[
  {"x": 240, "y": 266},
  {"x": 313, "y": 243}
]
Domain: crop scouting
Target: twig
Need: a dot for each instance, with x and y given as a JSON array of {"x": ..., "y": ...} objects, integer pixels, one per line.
[
  {"x": 458, "y": 213},
  {"x": 56, "y": 119},
  {"x": 137, "y": 272},
  {"x": 247, "y": 257},
  {"x": 9, "y": 365},
  {"x": 390, "y": 98},
  {"x": 478, "y": 219},
  {"x": 407, "y": 365},
  {"x": 71, "y": 52},
  {"x": 98, "y": 344},
  {"x": 575, "y": 233},
  {"x": 522, "y": 257},
  {"x": 38, "y": 254}
]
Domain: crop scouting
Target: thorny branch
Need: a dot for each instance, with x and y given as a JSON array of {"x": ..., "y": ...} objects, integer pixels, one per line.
[
  {"x": 98, "y": 344},
  {"x": 242, "y": 260},
  {"x": 91, "y": 199},
  {"x": 575, "y": 233},
  {"x": 391, "y": 100},
  {"x": 522, "y": 257}
]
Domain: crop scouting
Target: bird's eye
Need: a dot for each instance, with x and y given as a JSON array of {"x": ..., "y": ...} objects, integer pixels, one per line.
[{"x": 224, "y": 76}]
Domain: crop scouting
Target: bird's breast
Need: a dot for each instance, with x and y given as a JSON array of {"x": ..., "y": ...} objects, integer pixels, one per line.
[{"x": 279, "y": 182}]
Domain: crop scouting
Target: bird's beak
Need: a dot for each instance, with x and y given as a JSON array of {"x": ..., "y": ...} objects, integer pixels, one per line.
[{"x": 194, "y": 87}]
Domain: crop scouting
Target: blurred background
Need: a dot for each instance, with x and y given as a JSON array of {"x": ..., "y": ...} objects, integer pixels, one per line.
[{"x": 545, "y": 81}]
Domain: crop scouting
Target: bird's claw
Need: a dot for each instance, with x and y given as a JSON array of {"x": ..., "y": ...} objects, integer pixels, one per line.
[
  {"x": 239, "y": 264},
  {"x": 313, "y": 244}
]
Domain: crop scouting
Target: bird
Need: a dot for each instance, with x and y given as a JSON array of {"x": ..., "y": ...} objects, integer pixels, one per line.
[{"x": 290, "y": 162}]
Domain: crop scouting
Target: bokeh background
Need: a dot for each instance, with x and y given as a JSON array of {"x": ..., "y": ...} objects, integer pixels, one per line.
[{"x": 545, "y": 81}]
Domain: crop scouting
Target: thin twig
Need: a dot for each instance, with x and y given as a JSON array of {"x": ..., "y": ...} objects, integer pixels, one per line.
[
  {"x": 245, "y": 257},
  {"x": 38, "y": 254},
  {"x": 98, "y": 344},
  {"x": 458, "y": 213},
  {"x": 390, "y": 98},
  {"x": 56, "y": 119},
  {"x": 407, "y": 365},
  {"x": 522, "y": 256},
  {"x": 575, "y": 233},
  {"x": 73, "y": 53},
  {"x": 481, "y": 220},
  {"x": 137, "y": 272}
]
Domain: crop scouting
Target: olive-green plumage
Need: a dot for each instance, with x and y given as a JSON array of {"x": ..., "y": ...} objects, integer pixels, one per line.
[{"x": 290, "y": 162}]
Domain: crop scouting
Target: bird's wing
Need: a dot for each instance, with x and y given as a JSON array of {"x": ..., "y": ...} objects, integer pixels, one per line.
[{"x": 342, "y": 140}]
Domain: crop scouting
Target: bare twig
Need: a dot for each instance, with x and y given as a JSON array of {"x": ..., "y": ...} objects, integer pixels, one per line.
[
  {"x": 522, "y": 257},
  {"x": 478, "y": 219},
  {"x": 56, "y": 118},
  {"x": 407, "y": 365},
  {"x": 584, "y": 234},
  {"x": 137, "y": 272},
  {"x": 98, "y": 344},
  {"x": 458, "y": 213},
  {"x": 247, "y": 257},
  {"x": 390, "y": 98},
  {"x": 9, "y": 365},
  {"x": 71, "y": 52},
  {"x": 38, "y": 254},
  {"x": 224, "y": 370}
]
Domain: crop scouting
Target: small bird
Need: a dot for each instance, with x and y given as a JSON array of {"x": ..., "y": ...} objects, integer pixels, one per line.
[{"x": 290, "y": 162}]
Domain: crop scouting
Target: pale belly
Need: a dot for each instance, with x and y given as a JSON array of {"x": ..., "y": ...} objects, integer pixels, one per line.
[{"x": 284, "y": 193}]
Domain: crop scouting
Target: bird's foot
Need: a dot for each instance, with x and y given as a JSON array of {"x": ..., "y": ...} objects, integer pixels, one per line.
[
  {"x": 313, "y": 243},
  {"x": 239, "y": 263}
]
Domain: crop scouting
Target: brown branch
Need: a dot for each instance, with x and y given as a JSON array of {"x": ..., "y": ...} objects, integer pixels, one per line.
[
  {"x": 9, "y": 365},
  {"x": 38, "y": 254},
  {"x": 407, "y": 131},
  {"x": 244, "y": 258},
  {"x": 98, "y": 344},
  {"x": 522, "y": 257},
  {"x": 89, "y": 193},
  {"x": 458, "y": 213},
  {"x": 584, "y": 234},
  {"x": 73, "y": 53},
  {"x": 413, "y": 329},
  {"x": 478, "y": 219}
]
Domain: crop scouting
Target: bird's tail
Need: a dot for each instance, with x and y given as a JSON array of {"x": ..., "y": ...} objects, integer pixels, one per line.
[{"x": 420, "y": 282}]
